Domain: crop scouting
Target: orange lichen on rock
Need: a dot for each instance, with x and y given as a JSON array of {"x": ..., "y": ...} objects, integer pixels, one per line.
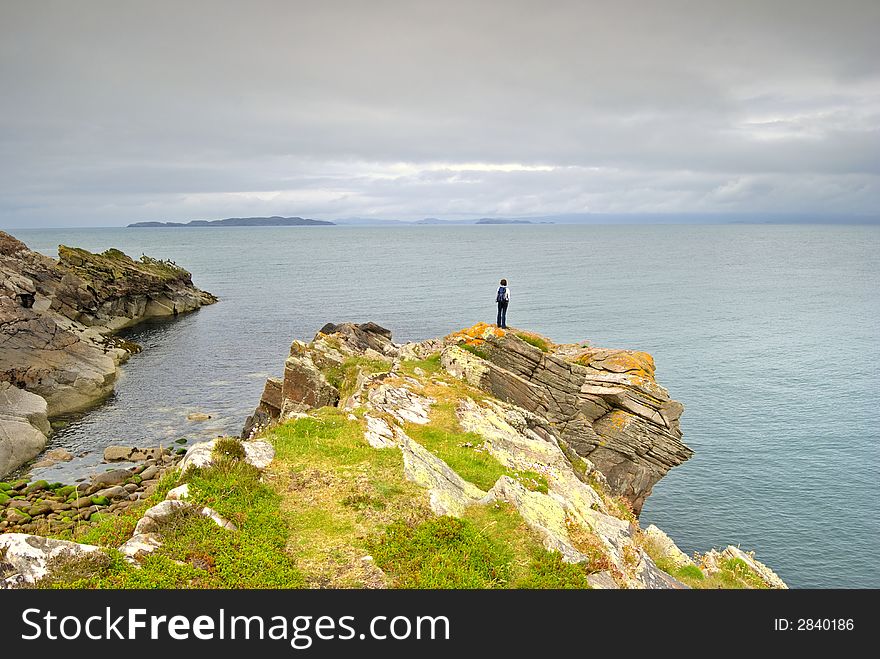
[
  {"x": 617, "y": 419},
  {"x": 631, "y": 362},
  {"x": 476, "y": 334}
]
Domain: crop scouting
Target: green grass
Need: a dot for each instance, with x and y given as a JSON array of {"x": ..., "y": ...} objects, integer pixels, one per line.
[
  {"x": 459, "y": 449},
  {"x": 444, "y": 552},
  {"x": 474, "y": 350},
  {"x": 337, "y": 491},
  {"x": 430, "y": 365},
  {"x": 491, "y": 547},
  {"x": 463, "y": 452},
  {"x": 344, "y": 377},
  {"x": 196, "y": 553},
  {"x": 535, "y": 340},
  {"x": 229, "y": 448}
]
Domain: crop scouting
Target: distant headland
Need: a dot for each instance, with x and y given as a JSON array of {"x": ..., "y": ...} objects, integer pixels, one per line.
[{"x": 274, "y": 221}]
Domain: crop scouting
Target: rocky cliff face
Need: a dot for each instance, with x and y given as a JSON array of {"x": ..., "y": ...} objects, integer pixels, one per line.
[
  {"x": 579, "y": 436},
  {"x": 603, "y": 404},
  {"x": 56, "y": 322}
]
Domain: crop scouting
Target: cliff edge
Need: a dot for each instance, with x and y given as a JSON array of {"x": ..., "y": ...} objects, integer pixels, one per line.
[{"x": 57, "y": 317}]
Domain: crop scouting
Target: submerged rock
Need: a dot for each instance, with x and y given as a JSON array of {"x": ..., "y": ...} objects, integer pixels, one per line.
[{"x": 131, "y": 454}]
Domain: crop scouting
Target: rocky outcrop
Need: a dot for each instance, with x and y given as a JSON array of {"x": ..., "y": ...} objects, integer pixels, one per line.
[
  {"x": 604, "y": 404},
  {"x": 57, "y": 319},
  {"x": 305, "y": 385}
]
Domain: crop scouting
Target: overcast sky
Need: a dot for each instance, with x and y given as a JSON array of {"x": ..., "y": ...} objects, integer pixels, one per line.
[{"x": 114, "y": 112}]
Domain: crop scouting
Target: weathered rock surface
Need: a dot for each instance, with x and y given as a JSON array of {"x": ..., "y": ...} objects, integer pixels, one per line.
[
  {"x": 24, "y": 426},
  {"x": 604, "y": 404},
  {"x": 304, "y": 385},
  {"x": 710, "y": 564},
  {"x": 25, "y": 559},
  {"x": 56, "y": 318}
]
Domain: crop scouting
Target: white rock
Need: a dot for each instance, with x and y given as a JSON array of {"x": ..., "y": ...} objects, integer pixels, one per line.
[
  {"x": 379, "y": 433},
  {"x": 154, "y": 516},
  {"x": 179, "y": 493},
  {"x": 218, "y": 519},
  {"x": 667, "y": 546},
  {"x": 139, "y": 546},
  {"x": 449, "y": 493},
  {"x": 767, "y": 575},
  {"x": 257, "y": 453},
  {"x": 29, "y": 554}
]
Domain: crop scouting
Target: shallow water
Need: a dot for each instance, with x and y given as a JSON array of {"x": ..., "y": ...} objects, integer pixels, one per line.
[{"x": 767, "y": 334}]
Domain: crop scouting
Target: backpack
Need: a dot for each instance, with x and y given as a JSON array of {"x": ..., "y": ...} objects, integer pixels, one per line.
[{"x": 502, "y": 294}]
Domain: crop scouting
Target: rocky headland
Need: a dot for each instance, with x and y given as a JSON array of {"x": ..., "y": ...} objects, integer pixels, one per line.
[
  {"x": 483, "y": 459},
  {"x": 578, "y": 435},
  {"x": 58, "y": 352}
]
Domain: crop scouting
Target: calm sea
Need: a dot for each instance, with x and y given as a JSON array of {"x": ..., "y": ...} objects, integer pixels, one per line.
[{"x": 768, "y": 334}]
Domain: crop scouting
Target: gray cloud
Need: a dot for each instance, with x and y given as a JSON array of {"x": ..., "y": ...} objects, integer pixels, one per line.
[{"x": 115, "y": 112}]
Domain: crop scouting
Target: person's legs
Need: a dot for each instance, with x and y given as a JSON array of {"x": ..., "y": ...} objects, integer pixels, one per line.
[
  {"x": 498, "y": 321},
  {"x": 503, "y": 312}
]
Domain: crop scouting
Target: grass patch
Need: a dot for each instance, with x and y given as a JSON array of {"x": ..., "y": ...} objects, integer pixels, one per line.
[
  {"x": 430, "y": 365},
  {"x": 491, "y": 547},
  {"x": 444, "y": 552},
  {"x": 338, "y": 491},
  {"x": 344, "y": 376},
  {"x": 533, "y": 339},
  {"x": 462, "y": 451},
  {"x": 229, "y": 448},
  {"x": 196, "y": 553},
  {"x": 474, "y": 350}
]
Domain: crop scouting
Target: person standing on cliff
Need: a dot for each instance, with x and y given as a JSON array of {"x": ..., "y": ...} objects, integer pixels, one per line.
[{"x": 502, "y": 297}]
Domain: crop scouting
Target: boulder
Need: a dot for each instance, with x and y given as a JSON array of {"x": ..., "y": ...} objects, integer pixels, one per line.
[
  {"x": 359, "y": 338},
  {"x": 258, "y": 454},
  {"x": 25, "y": 559},
  {"x": 53, "y": 457},
  {"x": 113, "y": 477},
  {"x": 24, "y": 427},
  {"x": 665, "y": 546},
  {"x": 305, "y": 386}
]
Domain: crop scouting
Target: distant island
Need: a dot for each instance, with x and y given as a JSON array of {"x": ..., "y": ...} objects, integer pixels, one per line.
[
  {"x": 500, "y": 220},
  {"x": 274, "y": 221}
]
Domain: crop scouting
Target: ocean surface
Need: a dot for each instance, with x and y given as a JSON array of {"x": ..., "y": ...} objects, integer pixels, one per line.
[{"x": 767, "y": 333}]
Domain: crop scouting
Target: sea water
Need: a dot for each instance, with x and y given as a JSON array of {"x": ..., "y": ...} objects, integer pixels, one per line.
[{"x": 768, "y": 334}]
